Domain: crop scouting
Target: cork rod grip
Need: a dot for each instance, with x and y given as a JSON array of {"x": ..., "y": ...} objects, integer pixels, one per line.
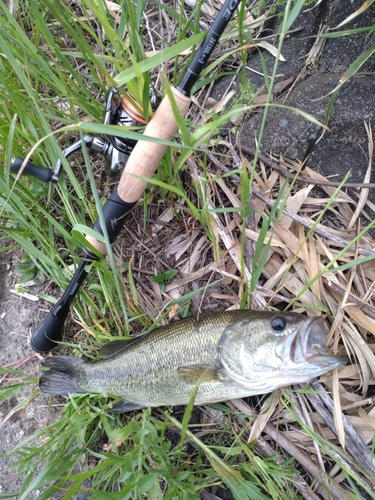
[
  {"x": 143, "y": 161},
  {"x": 146, "y": 156}
]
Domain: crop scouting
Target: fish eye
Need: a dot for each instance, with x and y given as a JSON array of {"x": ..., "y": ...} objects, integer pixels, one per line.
[{"x": 278, "y": 324}]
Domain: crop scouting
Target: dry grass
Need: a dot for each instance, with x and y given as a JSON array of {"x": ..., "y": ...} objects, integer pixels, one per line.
[{"x": 314, "y": 262}]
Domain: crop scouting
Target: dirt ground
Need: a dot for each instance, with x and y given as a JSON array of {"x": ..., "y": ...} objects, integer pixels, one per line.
[{"x": 343, "y": 149}]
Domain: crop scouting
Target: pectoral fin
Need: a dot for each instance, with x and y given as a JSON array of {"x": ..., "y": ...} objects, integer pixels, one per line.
[
  {"x": 199, "y": 373},
  {"x": 124, "y": 406}
]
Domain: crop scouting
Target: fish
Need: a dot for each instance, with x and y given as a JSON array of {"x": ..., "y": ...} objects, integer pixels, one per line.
[{"x": 218, "y": 356}]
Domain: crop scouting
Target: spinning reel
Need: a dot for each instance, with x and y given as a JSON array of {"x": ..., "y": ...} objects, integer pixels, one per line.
[
  {"x": 116, "y": 150},
  {"x": 122, "y": 111}
]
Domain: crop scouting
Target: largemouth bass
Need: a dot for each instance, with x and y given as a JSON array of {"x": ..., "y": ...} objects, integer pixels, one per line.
[{"x": 226, "y": 355}]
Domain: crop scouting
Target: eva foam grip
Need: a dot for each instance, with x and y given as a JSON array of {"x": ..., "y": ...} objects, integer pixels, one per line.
[
  {"x": 114, "y": 213},
  {"x": 146, "y": 156}
]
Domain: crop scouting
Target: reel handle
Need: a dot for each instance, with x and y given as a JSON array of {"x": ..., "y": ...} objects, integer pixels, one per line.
[{"x": 44, "y": 174}]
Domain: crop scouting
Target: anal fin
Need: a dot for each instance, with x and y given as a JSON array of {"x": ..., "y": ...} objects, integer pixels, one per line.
[{"x": 124, "y": 406}]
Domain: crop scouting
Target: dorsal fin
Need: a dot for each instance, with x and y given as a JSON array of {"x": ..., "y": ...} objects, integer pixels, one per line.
[{"x": 114, "y": 347}]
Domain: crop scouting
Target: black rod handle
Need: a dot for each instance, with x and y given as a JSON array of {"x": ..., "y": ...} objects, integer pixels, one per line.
[{"x": 49, "y": 332}]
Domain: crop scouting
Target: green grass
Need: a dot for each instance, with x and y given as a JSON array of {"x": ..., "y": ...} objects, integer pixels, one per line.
[{"x": 55, "y": 67}]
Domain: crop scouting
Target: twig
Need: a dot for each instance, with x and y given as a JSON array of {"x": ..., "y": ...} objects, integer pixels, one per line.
[
  {"x": 318, "y": 229},
  {"x": 366, "y": 308},
  {"x": 355, "y": 445},
  {"x": 306, "y": 180},
  {"x": 282, "y": 441},
  {"x": 356, "y": 404}
]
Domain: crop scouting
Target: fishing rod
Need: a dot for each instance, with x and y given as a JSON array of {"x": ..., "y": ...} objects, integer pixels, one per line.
[{"x": 142, "y": 162}]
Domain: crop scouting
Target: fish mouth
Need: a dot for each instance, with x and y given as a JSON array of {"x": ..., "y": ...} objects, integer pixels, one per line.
[{"x": 308, "y": 344}]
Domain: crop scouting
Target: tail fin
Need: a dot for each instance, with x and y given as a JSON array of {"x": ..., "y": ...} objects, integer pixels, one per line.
[{"x": 61, "y": 375}]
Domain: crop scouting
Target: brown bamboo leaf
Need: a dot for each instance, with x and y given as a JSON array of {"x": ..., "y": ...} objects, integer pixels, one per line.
[
  {"x": 344, "y": 208},
  {"x": 213, "y": 107},
  {"x": 313, "y": 268},
  {"x": 359, "y": 11},
  {"x": 165, "y": 217},
  {"x": 294, "y": 204},
  {"x": 271, "y": 49},
  {"x": 181, "y": 243},
  {"x": 361, "y": 318},
  {"x": 290, "y": 239},
  {"x": 229, "y": 192},
  {"x": 192, "y": 261},
  {"x": 268, "y": 408},
  {"x": 275, "y": 242},
  {"x": 277, "y": 272},
  {"x": 369, "y": 419},
  {"x": 364, "y": 372}
]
